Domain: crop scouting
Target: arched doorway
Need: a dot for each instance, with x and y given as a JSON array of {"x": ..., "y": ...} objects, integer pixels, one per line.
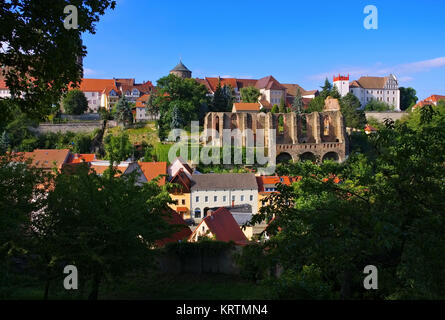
[
  {"x": 331, "y": 156},
  {"x": 206, "y": 209},
  {"x": 308, "y": 156},
  {"x": 284, "y": 157}
]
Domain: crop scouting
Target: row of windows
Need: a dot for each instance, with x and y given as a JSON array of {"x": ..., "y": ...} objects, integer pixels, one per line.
[{"x": 224, "y": 198}]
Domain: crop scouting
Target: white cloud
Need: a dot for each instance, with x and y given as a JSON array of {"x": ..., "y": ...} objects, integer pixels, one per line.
[{"x": 88, "y": 72}]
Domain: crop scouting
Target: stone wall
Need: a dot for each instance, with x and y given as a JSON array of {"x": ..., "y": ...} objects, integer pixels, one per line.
[
  {"x": 381, "y": 116},
  {"x": 76, "y": 127}
]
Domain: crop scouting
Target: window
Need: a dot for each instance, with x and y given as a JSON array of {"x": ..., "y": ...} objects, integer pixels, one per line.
[
  {"x": 224, "y": 198},
  {"x": 233, "y": 198},
  {"x": 242, "y": 198},
  {"x": 251, "y": 197},
  {"x": 183, "y": 202},
  {"x": 215, "y": 198},
  {"x": 197, "y": 199},
  {"x": 197, "y": 213},
  {"x": 206, "y": 199}
]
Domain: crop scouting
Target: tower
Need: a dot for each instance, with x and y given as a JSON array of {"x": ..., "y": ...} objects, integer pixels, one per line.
[
  {"x": 181, "y": 71},
  {"x": 342, "y": 84}
]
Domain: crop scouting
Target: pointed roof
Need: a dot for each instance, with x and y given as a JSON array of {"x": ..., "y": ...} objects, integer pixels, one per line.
[
  {"x": 223, "y": 226},
  {"x": 180, "y": 67}
]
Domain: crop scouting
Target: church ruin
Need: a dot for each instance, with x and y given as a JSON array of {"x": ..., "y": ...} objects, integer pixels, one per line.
[{"x": 313, "y": 136}]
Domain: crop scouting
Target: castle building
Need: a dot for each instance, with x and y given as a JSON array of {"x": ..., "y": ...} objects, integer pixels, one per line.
[
  {"x": 181, "y": 71},
  {"x": 366, "y": 89}
]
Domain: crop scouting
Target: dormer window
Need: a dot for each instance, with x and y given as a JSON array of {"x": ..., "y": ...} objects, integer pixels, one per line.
[
  {"x": 127, "y": 93},
  {"x": 135, "y": 92}
]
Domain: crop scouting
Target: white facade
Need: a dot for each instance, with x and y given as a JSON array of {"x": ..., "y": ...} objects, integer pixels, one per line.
[
  {"x": 204, "y": 199},
  {"x": 4, "y": 93},
  {"x": 95, "y": 100},
  {"x": 388, "y": 93}
]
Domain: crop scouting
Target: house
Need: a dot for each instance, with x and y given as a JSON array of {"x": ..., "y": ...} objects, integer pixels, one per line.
[
  {"x": 180, "y": 194},
  {"x": 246, "y": 107},
  {"x": 47, "y": 159},
  {"x": 366, "y": 89},
  {"x": 292, "y": 91},
  {"x": 177, "y": 165},
  {"x": 267, "y": 185},
  {"x": 82, "y": 157},
  {"x": 182, "y": 234},
  {"x": 272, "y": 91},
  {"x": 123, "y": 168},
  {"x": 221, "y": 226},
  {"x": 152, "y": 170},
  {"x": 431, "y": 100},
  {"x": 222, "y": 190},
  {"x": 370, "y": 129}
]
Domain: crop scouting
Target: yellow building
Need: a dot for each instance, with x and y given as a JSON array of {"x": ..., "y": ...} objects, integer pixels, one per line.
[{"x": 180, "y": 194}]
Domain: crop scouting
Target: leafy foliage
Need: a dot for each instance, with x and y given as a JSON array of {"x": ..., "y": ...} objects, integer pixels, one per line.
[
  {"x": 250, "y": 94},
  {"x": 75, "y": 102},
  {"x": 408, "y": 98},
  {"x": 123, "y": 111},
  {"x": 350, "y": 108},
  {"x": 375, "y": 105},
  {"x": 386, "y": 211},
  {"x": 41, "y": 56},
  {"x": 118, "y": 148}
]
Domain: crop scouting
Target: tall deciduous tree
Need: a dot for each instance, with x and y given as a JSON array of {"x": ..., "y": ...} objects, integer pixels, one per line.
[
  {"x": 118, "y": 148},
  {"x": 408, "y": 97},
  {"x": 75, "y": 102},
  {"x": 40, "y": 57},
  {"x": 354, "y": 117},
  {"x": 103, "y": 225},
  {"x": 250, "y": 94},
  {"x": 386, "y": 211}
]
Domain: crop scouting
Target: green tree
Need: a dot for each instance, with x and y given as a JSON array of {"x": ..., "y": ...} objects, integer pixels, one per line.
[
  {"x": 123, "y": 111},
  {"x": 103, "y": 225},
  {"x": 75, "y": 102},
  {"x": 41, "y": 58},
  {"x": 315, "y": 105},
  {"x": 297, "y": 104},
  {"x": 275, "y": 109},
  {"x": 118, "y": 148},
  {"x": 282, "y": 108},
  {"x": 408, "y": 98},
  {"x": 250, "y": 94},
  {"x": 150, "y": 107},
  {"x": 186, "y": 94},
  {"x": 223, "y": 98},
  {"x": 334, "y": 93},
  {"x": 326, "y": 89},
  {"x": 386, "y": 211},
  {"x": 176, "y": 119},
  {"x": 375, "y": 105},
  {"x": 354, "y": 117},
  {"x": 4, "y": 142}
]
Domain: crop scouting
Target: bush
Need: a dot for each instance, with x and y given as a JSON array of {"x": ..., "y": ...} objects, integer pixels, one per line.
[
  {"x": 306, "y": 284},
  {"x": 253, "y": 263}
]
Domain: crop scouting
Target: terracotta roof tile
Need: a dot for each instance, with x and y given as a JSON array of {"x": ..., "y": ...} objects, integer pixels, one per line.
[
  {"x": 152, "y": 170},
  {"x": 243, "y": 106}
]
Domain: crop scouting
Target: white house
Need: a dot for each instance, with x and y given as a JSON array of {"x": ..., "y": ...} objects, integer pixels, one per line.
[
  {"x": 222, "y": 190},
  {"x": 366, "y": 89}
]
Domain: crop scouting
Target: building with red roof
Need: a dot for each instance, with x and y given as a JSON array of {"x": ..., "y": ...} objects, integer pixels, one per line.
[
  {"x": 219, "y": 225},
  {"x": 182, "y": 234},
  {"x": 432, "y": 100},
  {"x": 153, "y": 170}
]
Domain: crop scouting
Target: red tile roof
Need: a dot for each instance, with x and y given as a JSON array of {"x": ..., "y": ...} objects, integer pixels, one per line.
[
  {"x": 82, "y": 157},
  {"x": 213, "y": 83},
  {"x": 175, "y": 219},
  {"x": 224, "y": 227},
  {"x": 244, "y": 106},
  {"x": 263, "y": 181},
  {"x": 435, "y": 98},
  {"x": 48, "y": 158},
  {"x": 95, "y": 85},
  {"x": 152, "y": 170}
]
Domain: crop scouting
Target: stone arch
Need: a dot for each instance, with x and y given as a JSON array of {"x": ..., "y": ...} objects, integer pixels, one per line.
[
  {"x": 326, "y": 125},
  {"x": 331, "y": 156},
  {"x": 307, "y": 156},
  {"x": 206, "y": 210},
  {"x": 284, "y": 157}
]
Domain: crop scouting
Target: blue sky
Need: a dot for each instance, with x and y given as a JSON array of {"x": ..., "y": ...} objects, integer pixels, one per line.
[{"x": 295, "y": 41}]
